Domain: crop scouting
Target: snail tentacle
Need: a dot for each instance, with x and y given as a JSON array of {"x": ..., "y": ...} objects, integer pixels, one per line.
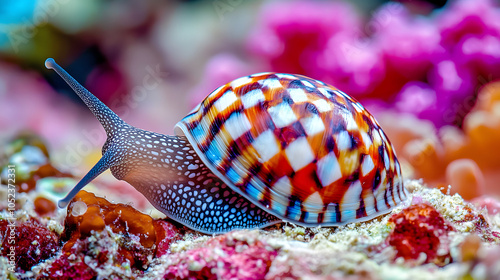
[
  {"x": 108, "y": 119},
  {"x": 108, "y": 159}
]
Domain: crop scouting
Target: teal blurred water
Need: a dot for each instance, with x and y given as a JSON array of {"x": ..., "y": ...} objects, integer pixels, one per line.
[{"x": 12, "y": 14}]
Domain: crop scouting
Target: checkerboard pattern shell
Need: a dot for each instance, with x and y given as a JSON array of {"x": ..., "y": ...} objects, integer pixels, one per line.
[{"x": 298, "y": 148}]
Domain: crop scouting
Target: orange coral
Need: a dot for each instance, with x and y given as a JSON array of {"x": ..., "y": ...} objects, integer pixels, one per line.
[
  {"x": 482, "y": 130},
  {"x": 99, "y": 212},
  {"x": 44, "y": 206},
  {"x": 466, "y": 178},
  {"x": 88, "y": 213},
  {"x": 465, "y": 159}
]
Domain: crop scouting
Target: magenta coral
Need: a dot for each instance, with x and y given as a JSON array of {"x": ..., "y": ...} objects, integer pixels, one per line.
[
  {"x": 289, "y": 35},
  {"x": 351, "y": 65},
  {"x": 407, "y": 44},
  {"x": 463, "y": 18}
]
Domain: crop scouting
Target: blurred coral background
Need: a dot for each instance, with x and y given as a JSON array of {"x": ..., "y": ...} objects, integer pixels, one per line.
[{"x": 425, "y": 69}]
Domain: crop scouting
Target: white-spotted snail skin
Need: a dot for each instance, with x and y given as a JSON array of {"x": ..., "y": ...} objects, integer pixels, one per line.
[{"x": 261, "y": 149}]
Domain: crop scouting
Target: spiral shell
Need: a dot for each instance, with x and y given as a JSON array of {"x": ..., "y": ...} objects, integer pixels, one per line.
[{"x": 298, "y": 148}]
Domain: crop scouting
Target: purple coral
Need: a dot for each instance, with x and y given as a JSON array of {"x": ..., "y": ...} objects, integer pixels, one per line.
[
  {"x": 439, "y": 60},
  {"x": 462, "y": 19}
]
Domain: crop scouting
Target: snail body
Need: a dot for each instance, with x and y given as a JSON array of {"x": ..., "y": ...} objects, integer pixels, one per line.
[{"x": 261, "y": 149}]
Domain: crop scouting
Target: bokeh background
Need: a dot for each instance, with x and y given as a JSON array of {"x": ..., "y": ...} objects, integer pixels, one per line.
[{"x": 425, "y": 69}]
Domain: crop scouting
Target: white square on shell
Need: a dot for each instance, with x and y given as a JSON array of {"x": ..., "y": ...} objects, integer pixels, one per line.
[
  {"x": 325, "y": 92},
  {"x": 351, "y": 124},
  {"x": 282, "y": 115},
  {"x": 299, "y": 153},
  {"x": 312, "y": 125},
  {"x": 283, "y": 187},
  {"x": 367, "y": 165},
  {"x": 366, "y": 140},
  {"x": 343, "y": 141},
  {"x": 352, "y": 197},
  {"x": 298, "y": 95},
  {"x": 271, "y": 83},
  {"x": 307, "y": 84},
  {"x": 237, "y": 125},
  {"x": 322, "y": 105},
  {"x": 286, "y": 76},
  {"x": 313, "y": 203},
  {"x": 280, "y": 193},
  {"x": 252, "y": 98},
  {"x": 328, "y": 169},
  {"x": 266, "y": 145},
  {"x": 241, "y": 81},
  {"x": 225, "y": 101}
]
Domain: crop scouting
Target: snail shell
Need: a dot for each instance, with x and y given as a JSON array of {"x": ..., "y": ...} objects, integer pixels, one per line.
[
  {"x": 258, "y": 150},
  {"x": 298, "y": 148}
]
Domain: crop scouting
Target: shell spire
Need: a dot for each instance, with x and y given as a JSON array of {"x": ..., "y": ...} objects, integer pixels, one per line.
[{"x": 109, "y": 120}]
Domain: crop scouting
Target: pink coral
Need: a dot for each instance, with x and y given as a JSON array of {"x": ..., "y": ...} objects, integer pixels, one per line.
[
  {"x": 492, "y": 205},
  {"x": 408, "y": 45},
  {"x": 223, "y": 257},
  {"x": 219, "y": 70},
  {"x": 454, "y": 85},
  {"x": 352, "y": 65}
]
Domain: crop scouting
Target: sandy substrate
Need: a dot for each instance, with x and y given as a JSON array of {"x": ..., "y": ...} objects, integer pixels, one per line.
[{"x": 431, "y": 236}]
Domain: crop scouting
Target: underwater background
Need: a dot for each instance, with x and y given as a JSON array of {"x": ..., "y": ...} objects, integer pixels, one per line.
[{"x": 429, "y": 71}]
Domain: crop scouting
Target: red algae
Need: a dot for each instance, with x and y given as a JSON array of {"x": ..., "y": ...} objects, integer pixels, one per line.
[
  {"x": 421, "y": 229},
  {"x": 223, "y": 257},
  {"x": 65, "y": 269},
  {"x": 33, "y": 244},
  {"x": 166, "y": 233}
]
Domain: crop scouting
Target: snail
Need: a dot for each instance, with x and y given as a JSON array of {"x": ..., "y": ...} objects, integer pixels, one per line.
[{"x": 259, "y": 150}]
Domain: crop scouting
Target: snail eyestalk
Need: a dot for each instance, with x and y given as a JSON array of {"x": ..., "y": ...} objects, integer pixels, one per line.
[
  {"x": 102, "y": 165},
  {"x": 50, "y": 63},
  {"x": 108, "y": 119}
]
